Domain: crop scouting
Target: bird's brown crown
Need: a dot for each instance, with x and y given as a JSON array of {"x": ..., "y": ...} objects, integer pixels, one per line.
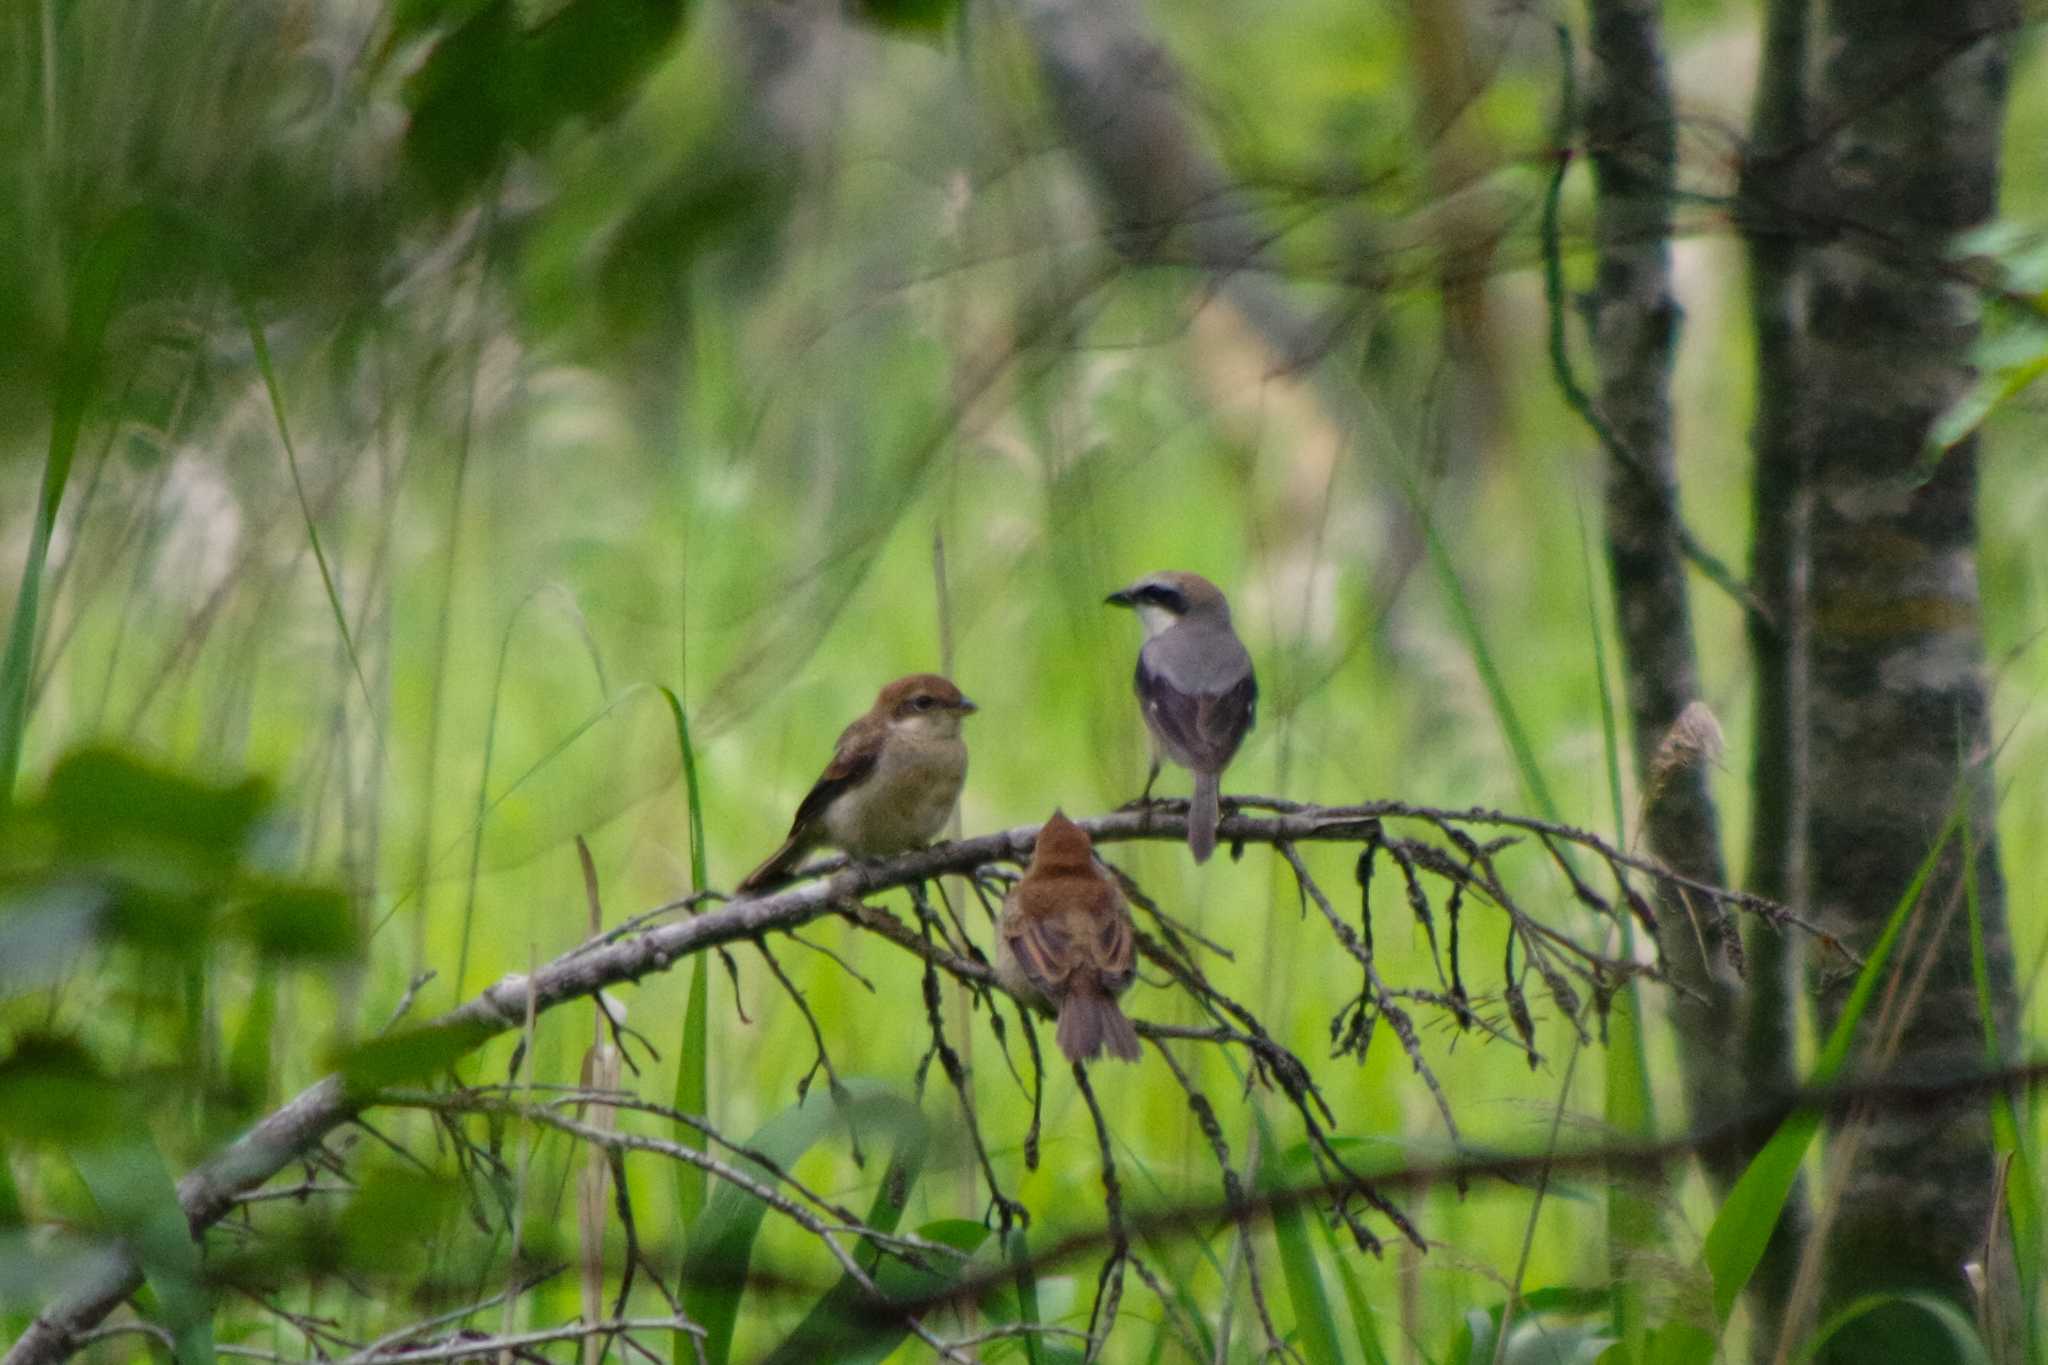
[
  {"x": 1173, "y": 590},
  {"x": 1063, "y": 848},
  {"x": 921, "y": 692}
]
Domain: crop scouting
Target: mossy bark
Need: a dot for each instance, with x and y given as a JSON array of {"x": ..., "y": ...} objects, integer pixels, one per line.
[
  {"x": 1630, "y": 129},
  {"x": 1911, "y": 100}
]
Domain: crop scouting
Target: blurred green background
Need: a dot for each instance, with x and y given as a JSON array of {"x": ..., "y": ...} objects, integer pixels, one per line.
[{"x": 767, "y": 352}]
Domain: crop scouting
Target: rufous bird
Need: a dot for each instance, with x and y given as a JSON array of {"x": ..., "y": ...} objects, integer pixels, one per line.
[{"x": 1065, "y": 941}]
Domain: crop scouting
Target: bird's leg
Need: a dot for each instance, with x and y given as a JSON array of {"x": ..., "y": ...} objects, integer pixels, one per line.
[{"x": 1144, "y": 798}]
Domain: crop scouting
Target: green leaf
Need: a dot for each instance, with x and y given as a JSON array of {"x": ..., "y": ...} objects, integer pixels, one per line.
[
  {"x": 1472, "y": 1344},
  {"x": 406, "y": 1055},
  {"x": 1951, "y": 1319},
  {"x": 250, "y": 1056},
  {"x": 1315, "y": 1326},
  {"x": 109, "y": 805},
  {"x": 721, "y": 1241},
  {"x": 286, "y": 920},
  {"x": 845, "y": 1312},
  {"x": 133, "y": 1188},
  {"x": 10, "y": 1194},
  {"x": 1537, "y": 1336},
  {"x": 908, "y": 16},
  {"x": 1676, "y": 1341},
  {"x": 52, "y": 1090},
  {"x": 395, "y": 1213},
  {"x": 490, "y": 84},
  {"x": 847, "y": 1328}
]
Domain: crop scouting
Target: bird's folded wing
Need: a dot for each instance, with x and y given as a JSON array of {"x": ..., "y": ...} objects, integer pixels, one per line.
[
  {"x": 1043, "y": 951},
  {"x": 1205, "y": 726},
  {"x": 860, "y": 749},
  {"x": 1116, "y": 958}
]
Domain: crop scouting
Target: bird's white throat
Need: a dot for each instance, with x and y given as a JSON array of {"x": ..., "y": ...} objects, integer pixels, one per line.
[{"x": 1156, "y": 618}]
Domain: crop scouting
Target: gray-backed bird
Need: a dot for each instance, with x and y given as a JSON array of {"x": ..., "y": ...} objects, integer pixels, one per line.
[{"x": 1195, "y": 686}]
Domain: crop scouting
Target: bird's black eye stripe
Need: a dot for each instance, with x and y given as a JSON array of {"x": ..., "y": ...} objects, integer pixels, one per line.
[{"x": 1162, "y": 597}]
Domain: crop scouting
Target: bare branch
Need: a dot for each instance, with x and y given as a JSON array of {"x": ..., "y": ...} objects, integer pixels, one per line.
[{"x": 209, "y": 1191}]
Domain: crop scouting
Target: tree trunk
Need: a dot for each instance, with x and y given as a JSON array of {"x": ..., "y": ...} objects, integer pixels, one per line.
[
  {"x": 1912, "y": 99},
  {"x": 1630, "y": 129}
]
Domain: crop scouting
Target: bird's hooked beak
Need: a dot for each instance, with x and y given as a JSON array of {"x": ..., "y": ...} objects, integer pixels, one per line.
[
  {"x": 965, "y": 707},
  {"x": 1120, "y": 598}
]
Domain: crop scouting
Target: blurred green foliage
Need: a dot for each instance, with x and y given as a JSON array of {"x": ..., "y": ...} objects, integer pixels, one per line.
[{"x": 620, "y": 335}]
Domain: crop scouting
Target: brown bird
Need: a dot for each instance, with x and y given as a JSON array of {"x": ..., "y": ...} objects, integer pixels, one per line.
[
  {"x": 1195, "y": 686},
  {"x": 894, "y": 778},
  {"x": 1064, "y": 941}
]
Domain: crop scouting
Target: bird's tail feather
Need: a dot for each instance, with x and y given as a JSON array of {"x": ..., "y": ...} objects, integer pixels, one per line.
[
  {"x": 1203, "y": 813},
  {"x": 1090, "y": 1022},
  {"x": 777, "y": 868}
]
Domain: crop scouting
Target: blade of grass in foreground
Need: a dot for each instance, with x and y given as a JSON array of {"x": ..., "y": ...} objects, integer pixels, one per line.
[
  {"x": 721, "y": 1240},
  {"x": 1628, "y": 1105},
  {"x": 1467, "y": 622},
  {"x": 291, "y": 455},
  {"x": 93, "y": 293},
  {"x": 844, "y": 1314},
  {"x": 2009, "y": 1137},
  {"x": 693, "y": 1088},
  {"x": 1735, "y": 1242},
  {"x": 1315, "y": 1326},
  {"x": 1364, "y": 1319}
]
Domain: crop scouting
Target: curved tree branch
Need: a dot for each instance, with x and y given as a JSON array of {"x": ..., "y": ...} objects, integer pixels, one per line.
[{"x": 216, "y": 1186}]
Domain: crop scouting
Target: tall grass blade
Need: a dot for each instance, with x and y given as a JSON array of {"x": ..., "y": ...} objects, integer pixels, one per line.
[
  {"x": 1018, "y": 1249},
  {"x": 600, "y": 1072},
  {"x": 13, "y": 1322},
  {"x": 721, "y": 1240},
  {"x": 1467, "y": 622},
  {"x": 693, "y": 1080},
  {"x": 93, "y": 294},
  {"x": 1631, "y": 1216},
  {"x": 291, "y": 455},
  {"x": 844, "y": 1314},
  {"x": 1364, "y": 1319},
  {"x": 2008, "y": 1135},
  {"x": 853, "y": 1331},
  {"x": 1735, "y": 1243},
  {"x": 1315, "y": 1326},
  {"x": 484, "y": 804},
  {"x": 1628, "y": 1105}
]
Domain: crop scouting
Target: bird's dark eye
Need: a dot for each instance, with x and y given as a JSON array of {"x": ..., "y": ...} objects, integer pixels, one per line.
[{"x": 921, "y": 703}]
